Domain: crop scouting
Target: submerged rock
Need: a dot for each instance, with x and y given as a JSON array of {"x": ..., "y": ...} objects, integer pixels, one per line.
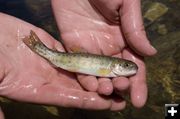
[
  {"x": 162, "y": 29},
  {"x": 155, "y": 10}
]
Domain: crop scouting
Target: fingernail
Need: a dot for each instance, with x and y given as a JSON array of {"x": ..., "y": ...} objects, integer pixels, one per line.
[{"x": 153, "y": 49}]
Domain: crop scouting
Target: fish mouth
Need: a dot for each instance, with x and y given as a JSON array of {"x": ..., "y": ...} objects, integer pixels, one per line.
[
  {"x": 126, "y": 73},
  {"x": 134, "y": 70},
  {"x": 135, "y": 67}
]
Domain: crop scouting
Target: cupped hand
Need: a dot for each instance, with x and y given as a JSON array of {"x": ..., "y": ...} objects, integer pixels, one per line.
[
  {"x": 25, "y": 76},
  {"x": 107, "y": 27}
]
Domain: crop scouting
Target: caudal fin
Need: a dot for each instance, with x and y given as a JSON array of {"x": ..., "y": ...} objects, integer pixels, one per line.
[{"x": 32, "y": 40}]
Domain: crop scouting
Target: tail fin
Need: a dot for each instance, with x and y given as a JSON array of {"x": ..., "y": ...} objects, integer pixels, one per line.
[
  {"x": 34, "y": 43},
  {"x": 32, "y": 40}
]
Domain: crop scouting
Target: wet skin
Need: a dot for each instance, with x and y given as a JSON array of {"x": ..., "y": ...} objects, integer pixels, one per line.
[
  {"x": 27, "y": 77},
  {"x": 112, "y": 28}
]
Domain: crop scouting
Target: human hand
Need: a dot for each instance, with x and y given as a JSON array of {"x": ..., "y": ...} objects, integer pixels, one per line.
[
  {"x": 25, "y": 76},
  {"x": 111, "y": 28}
]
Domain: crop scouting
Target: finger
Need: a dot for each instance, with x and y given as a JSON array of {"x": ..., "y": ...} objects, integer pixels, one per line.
[
  {"x": 90, "y": 83},
  {"x": 79, "y": 99},
  {"x": 109, "y": 9},
  {"x": 2, "y": 67},
  {"x": 138, "y": 87},
  {"x": 1, "y": 114},
  {"x": 48, "y": 40},
  {"x": 118, "y": 104},
  {"x": 62, "y": 96},
  {"x": 105, "y": 86},
  {"x": 133, "y": 29},
  {"x": 120, "y": 83}
]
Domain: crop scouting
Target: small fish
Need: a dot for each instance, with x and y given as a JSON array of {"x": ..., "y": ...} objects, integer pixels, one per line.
[{"x": 91, "y": 64}]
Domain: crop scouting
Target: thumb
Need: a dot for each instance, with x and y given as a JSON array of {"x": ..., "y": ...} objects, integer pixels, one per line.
[{"x": 133, "y": 29}]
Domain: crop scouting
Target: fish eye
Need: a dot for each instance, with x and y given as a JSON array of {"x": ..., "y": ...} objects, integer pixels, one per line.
[{"x": 126, "y": 64}]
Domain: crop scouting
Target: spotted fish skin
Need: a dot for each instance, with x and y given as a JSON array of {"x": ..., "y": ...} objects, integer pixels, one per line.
[{"x": 91, "y": 64}]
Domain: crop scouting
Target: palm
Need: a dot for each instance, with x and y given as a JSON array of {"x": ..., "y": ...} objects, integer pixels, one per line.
[
  {"x": 27, "y": 72},
  {"x": 84, "y": 29},
  {"x": 31, "y": 75},
  {"x": 28, "y": 77}
]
